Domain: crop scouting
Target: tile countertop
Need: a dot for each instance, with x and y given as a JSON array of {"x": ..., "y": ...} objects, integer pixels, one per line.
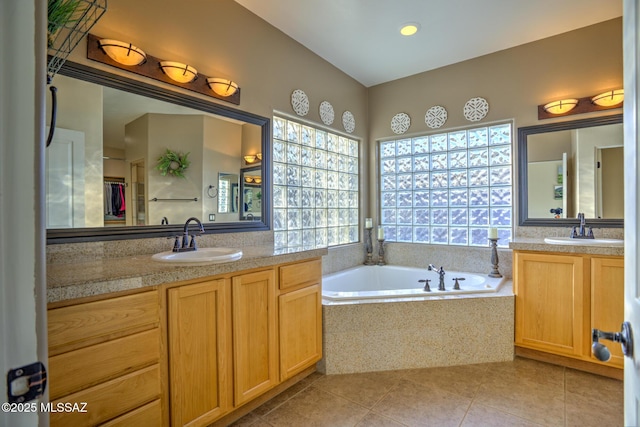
[
  {"x": 105, "y": 275},
  {"x": 538, "y": 245}
]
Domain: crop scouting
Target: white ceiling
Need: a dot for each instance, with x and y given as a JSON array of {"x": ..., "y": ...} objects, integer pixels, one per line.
[{"x": 361, "y": 37}]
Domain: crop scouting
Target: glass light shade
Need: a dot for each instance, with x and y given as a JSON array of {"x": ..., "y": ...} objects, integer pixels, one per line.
[
  {"x": 259, "y": 156},
  {"x": 181, "y": 73},
  {"x": 257, "y": 180},
  {"x": 123, "y": 53},
  {"x": 222, "y": 87},
  {"x": 250, "y": 159},
  {"x": 609, "y": 98},
  {"x": 409, "y": 29},
  {"x": 560, "y": 107}
]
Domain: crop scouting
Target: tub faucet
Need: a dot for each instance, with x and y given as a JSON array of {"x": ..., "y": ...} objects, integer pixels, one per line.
[
  {"x": 580, "y": 231},
  {"x": 186, "y": 246},
  {"x": 440, "y": 271}
]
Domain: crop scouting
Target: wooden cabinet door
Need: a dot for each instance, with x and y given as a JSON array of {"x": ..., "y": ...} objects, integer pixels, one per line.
[
  {"x": 199, "y": 352},
  {"x": 549, "y": 302},
  {"x": 300, "y": 330},
  {"x": 607, "y": 302},
  {"x": 255, "y": 363}
]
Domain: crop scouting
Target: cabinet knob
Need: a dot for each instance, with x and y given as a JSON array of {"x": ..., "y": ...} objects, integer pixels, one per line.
[{"x": 624, "y": 337}]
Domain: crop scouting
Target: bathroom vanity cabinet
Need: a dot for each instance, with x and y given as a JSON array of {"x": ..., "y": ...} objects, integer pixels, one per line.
[
  {"x": 186, "y": 353},
  {"x": 107, "y": 354},
  {"x": 560, "y": 297}
]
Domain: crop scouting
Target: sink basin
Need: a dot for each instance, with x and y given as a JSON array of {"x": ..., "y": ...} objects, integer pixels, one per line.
[
  {"x": 583, "y": 242},
  {"x": 200, "y": 257}
]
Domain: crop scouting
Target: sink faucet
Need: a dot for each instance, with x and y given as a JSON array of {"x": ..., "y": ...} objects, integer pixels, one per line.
[
  {"x": 186, "y": 246},
  {"x": 580, "y": 231},
  {"x": 164, "y": 221},
  {"x": 440, "y": 271}
]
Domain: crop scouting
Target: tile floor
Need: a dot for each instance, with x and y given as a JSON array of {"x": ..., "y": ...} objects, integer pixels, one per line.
[{"x": 519, "y": 393}]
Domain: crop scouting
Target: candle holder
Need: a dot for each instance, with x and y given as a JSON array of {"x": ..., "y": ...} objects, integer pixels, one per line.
[
  {"x": 494, "y": 258},
  {"x": 368, "y": 245},
  {"x": 381, "y": 252}
]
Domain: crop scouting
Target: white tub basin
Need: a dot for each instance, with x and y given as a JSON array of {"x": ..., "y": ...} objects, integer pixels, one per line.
[
  {"x": 200, "y": 256},
  {"x": 583, "y": 242}
]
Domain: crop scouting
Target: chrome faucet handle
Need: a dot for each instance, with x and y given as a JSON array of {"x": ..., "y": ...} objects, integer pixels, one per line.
[
  {"x": 456, "y": 285},
  {"x": 427, "y": 288},
  {"x": 176, "y": 244},
  {"x": 193, "y": 243}
]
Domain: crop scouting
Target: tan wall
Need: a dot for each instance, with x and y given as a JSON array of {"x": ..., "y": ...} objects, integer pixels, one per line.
[
  {"x": 514, "y": 81},
  {"x": 222, "y": 39}
]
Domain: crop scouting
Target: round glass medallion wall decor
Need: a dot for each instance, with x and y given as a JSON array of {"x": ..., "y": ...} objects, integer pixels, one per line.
[
  {"x": 400, "y": 123},
  {"x": 348, "y": 121},
  {"x": 326, "y": 112},
  {"x": 476, "y": 109},
  {"x": 436, "y": 116},
  {"x": 300, "y": 102}
]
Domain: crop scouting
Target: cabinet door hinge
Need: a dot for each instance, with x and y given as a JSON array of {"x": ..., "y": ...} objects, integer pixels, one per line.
[{"x": 26, "y": 383}]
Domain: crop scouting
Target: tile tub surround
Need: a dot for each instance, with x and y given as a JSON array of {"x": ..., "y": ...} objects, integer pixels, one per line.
[{"x": 418, "y": 334}]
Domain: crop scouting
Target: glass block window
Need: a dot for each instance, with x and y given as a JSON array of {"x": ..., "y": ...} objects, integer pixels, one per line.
[
  {"x": 448, "y": 188},
  {"x": 315, "y": 186}
]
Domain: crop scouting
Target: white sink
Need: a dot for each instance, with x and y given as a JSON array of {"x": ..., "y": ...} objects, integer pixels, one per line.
[
  {"x": 201, "y": 256},
  {"x": 583, "y": 242}
]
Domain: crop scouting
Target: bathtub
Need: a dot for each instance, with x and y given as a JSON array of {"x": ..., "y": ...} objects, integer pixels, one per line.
[
  {"x": 379, "y": 318},
  {"x": 390, "y": 282}
]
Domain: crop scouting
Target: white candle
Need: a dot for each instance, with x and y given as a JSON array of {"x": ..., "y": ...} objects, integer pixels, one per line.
[
  {"x": 380, "y": 233},
  {"x": 368, "y": 223},
  {"x": 493, "y": 233}
]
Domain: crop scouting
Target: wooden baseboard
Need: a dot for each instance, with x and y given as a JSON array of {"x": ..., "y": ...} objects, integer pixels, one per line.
[
  {"x": 580, "y": 365},
  {"x": 250, "y": 406}
]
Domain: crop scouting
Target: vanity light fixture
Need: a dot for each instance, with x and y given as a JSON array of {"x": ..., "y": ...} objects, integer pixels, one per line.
[
  {"x": 134, "y": 60},
  {"x": 252, "y": 179},
  {"x": 609, "y": 98},
  {"x": 252, "y": 158},
  {"x": 560, "y": 107},
  {"x": 123, "y": 53},
  {"x": 181, "y": 73},
  {"x": 222, "y": 87}
]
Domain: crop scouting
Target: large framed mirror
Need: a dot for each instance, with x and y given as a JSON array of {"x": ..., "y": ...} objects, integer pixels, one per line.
[
  {"x": 572, "y": 167},
  {"x": 104, "y": 178}
]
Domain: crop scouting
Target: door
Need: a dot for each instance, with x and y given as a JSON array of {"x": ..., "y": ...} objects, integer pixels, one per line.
[
  {"x": 631, "y": 53},
  {"x": 300, "y": 330},
  {"x": 64, "y": 173},
  {"x": 199, "y": 353},
  {"x": 255, "y": 364},
  {"x": 549, "y": 302},
  {"x": 23, "y": 328}
]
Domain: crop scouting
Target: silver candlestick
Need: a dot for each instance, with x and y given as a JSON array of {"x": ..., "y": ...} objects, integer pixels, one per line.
[
  {"x": 368, "y": 244},
  {"x": 381, "y": 252},
  {"x": 494, "y": 258}
]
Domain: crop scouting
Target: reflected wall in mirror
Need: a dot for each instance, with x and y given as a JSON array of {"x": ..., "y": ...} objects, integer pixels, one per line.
[
  {"x": 571, "y": 167},
  {"x": 102, "y": 176}
]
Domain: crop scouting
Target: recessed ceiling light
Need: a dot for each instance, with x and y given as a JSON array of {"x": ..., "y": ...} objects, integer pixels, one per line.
[{"x": 409, "y": 28}]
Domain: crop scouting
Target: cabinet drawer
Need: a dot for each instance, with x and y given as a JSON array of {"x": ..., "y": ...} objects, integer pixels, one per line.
[
  {"x": 79, "y": 369},
  {"x": 81, "y": 325},
  {"x": 149, "y": 415},
  {"x": 109, "y": 400},
  {"x": 303, "y": 273}
]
